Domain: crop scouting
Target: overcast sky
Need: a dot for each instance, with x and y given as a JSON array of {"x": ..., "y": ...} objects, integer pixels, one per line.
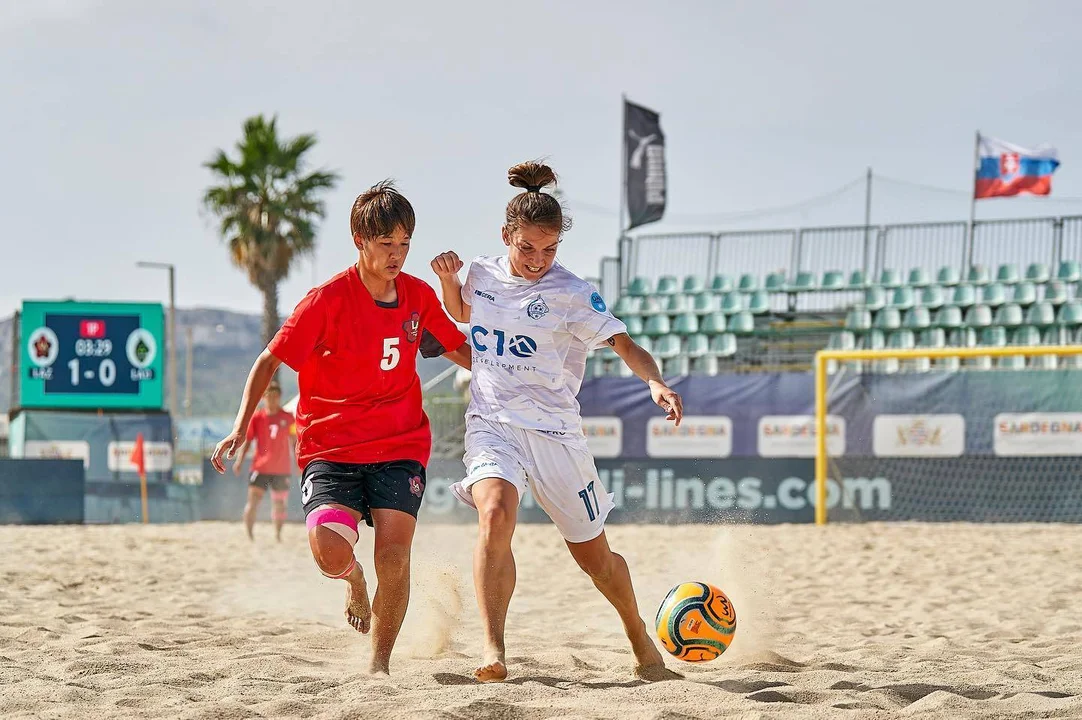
[{"x": 111, "y": 107}]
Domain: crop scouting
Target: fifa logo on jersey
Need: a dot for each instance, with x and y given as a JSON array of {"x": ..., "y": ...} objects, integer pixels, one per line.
[{"x": 521, "y": 346}]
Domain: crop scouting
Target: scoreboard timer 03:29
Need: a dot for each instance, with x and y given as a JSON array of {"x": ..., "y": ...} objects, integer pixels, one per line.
[{"x": 91, "y": 355}]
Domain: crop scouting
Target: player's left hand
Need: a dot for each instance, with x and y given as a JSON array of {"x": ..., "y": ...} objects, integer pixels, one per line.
[{"x": 668, "y": 400}]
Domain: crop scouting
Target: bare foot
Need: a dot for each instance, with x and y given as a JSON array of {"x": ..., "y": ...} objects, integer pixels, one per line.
[
  {"x": 358, "y": 609},
  {"x": 494, "y": 668},
  {"x": 251, "y": 536},
  {"x": 649, "y": 664}
]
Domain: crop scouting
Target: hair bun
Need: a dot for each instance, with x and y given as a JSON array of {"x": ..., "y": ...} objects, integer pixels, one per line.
[{"x": 531, "y": 176}]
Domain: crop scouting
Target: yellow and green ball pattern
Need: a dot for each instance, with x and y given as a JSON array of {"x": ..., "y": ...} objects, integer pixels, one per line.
[{"x": 696, "y": 622}]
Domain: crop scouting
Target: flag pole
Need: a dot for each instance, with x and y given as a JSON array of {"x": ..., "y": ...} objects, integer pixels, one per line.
[
  {"x": 867, "y": 221},
  {"x": 143, "y": 495},
  {"x": 967, "y": 261},
  {"x": 623, "y": 194}
]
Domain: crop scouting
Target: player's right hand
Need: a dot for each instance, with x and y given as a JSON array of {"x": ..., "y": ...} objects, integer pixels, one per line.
[
  {"x": 447, "y": 264},
  {"x": 226, "y": 448}
]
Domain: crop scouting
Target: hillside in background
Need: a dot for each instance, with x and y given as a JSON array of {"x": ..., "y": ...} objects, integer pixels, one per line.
[{"x": 224, "y": 345}]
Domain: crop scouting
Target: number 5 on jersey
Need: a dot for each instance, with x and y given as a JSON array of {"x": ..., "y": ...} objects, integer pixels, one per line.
[{"x": 391, "y": 354}]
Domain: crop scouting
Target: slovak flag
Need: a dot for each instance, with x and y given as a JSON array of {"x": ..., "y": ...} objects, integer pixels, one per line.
[{"x": 1007, "y": 169}]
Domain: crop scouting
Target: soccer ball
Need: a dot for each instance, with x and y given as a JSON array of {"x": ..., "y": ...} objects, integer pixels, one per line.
[{"x": 696, "y": 622}]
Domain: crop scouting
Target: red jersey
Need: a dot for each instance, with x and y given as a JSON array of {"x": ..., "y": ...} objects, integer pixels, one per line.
[
  {"x": 356, "y": 359},
  {"x": 272, "y": 438}
]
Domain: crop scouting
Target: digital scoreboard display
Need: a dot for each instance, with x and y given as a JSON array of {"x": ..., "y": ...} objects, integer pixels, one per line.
[{"x": 91, "y": 355}]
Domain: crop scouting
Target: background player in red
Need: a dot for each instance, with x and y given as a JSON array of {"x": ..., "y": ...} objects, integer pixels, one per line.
[
  {"x": 270, "y": 430},
  {"x": 362, "y": 437}
]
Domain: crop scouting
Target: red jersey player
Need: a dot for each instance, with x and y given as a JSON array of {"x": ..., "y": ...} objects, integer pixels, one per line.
[
  {"x": 362, "y": 438},
  {"x": 270, "y": 430}
]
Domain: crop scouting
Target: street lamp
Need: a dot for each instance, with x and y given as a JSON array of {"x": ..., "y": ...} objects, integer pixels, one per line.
[{"x": 172, "y": 329}]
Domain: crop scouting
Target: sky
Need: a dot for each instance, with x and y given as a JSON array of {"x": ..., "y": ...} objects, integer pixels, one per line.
[{"x": 110, "y": 108}]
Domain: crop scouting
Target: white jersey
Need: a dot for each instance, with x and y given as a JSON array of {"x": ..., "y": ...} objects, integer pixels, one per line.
[{"x": 530, "y": 341}]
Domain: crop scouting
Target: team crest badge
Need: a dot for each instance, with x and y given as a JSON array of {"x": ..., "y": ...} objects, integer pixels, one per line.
[
  {"x": 416, "y": 486},
  {"x": 537, "y": 309},
  {"x": 598, "y": 302},
  {"x": 412, "y": 326}
]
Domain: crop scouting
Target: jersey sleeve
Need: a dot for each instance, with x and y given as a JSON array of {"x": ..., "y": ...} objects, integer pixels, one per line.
[
  {"x": 303, "y": 332},
  {"x": 471, "y": 282},
  {"x": 439, "y": 334},
  {"x": 589, "y": 319}
]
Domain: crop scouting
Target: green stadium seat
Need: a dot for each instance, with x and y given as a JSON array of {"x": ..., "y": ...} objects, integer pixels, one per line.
[
  {"x": 652, "y": 305},
  {"x": 634, "y": 324},
  {"x": 723, "y": 345},
  {"x": 993, "y": 295},
  {"x": 1071, "y": 314},
  {"x": 732, "y": 303},
  {"x": 1056, "y": 336},
  {"x": 1024, "y": 294},
  {"x": 1055, "y": 293},
  {"x": 1011, "y": 362},
  {"x": 1038, "y": 273},
  {"x": 667, "y": 285},
  {"x": 758, "y": 303},
  {"x": 1009, "y": 315},
  {"x": 626, "y": 306},
  {"x": 874, "y": 340},
  {"x": 903, "y": 298},
  {"x": 705, "y": 303},
  {"x": 1069, "y": 271},
  {"x": 666, "y": 347},
  {"x": 804, "y": 282},
  {"x": 949, "y": 317},
  {"x": 918, "y": 278},
  {"x": 932, "y": 338},
  {"x": 686, "y": 324},
  {"x": 901, "y": 340},
  {"x": 963, "y": 296},
  {"x": 918, "y": 318},
  {"x": 1008, "y": 274},
  {"x": 890, "y": 278},
  {"x": 775, "y": 282},
  {"x": 843, "y": 340},
  {"x": 1045, "y": 362},
  {"x": 875, "y": 298},
  {"x": 833, "y": 280},
  {"x": 677, "y": 305},
  {"x": 697, "y": 345},
  {"x": 858, "y": 320},
  {"x": 962, "y": 337},
  {"x": 1026, "y": 335},
  {"x": 640, "y": 287},
  {"x": 888, "y": 319},
  {"x": 932, "y": 297},
  {"x": 978, "y": 275},
  {"x": 721, "y": 283},
  {"x": 712, "y": 324},
  {"x": 748, "y": 283},
  {"x": 694, "y": 284},
  {"x": 948, "y": 276},
  {"x": 594, "y": 367},
  {"x": 979, "y": 316},
  {"x": 742, "y": 323},
  {"x": 857, "y": 280},
  {"x": 993, "y": 337},
  {"x": 1042, "y": 314},
  {"x": 657, "y": 325}
]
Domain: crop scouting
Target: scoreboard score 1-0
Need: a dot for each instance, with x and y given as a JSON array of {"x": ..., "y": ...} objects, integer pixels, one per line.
[{"x": 91, "y": 355}]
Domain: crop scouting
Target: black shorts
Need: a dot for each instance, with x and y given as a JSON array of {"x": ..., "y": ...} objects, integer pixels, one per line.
[
  {"x": 396, "y": 485},
  {"x": 265, "y": 481}
]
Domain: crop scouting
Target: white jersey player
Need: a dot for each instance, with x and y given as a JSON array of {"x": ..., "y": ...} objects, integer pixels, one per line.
[{"x": 531, "y": 325}]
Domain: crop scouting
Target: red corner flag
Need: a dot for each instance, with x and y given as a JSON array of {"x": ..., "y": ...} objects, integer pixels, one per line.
[{"x": 138, "y": 456}]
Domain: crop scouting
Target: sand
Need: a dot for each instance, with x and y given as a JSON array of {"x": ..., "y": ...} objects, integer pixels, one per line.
[{"x": 850, "y": 621}]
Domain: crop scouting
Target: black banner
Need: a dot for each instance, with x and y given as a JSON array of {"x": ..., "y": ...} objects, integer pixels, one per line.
[{"x": 644, "y": 153}]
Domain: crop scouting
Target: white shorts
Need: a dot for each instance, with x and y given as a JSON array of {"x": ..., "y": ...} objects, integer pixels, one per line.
[{"x": 559, "y": 471}]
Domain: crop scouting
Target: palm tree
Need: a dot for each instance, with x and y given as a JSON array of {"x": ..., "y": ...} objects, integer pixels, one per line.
[{"x": 268, "y": 206}]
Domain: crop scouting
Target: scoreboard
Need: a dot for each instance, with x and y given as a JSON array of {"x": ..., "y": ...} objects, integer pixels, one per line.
[{"x": 91, "y": 355}]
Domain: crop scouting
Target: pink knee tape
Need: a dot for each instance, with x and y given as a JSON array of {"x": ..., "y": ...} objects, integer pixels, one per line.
[{"x": 335, "y": 520}]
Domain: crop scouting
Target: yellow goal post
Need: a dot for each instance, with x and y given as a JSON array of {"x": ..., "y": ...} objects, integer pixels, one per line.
[{"x": 824, "y": 357}]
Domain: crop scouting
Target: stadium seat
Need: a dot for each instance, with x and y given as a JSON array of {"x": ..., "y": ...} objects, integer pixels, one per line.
[
  {"x": 1071, "y": 314},
  {"x": 1069, "y": 271},
  {"x": 721, "y": 283},
  {"x": 993, "y": 337},
  {"x": 705, "y": 303},
  {"x": 1038, "y": 273},
  {"x": 644, "y": 342},
  {"x": 626, "y": 306},
  {"x": 732, "y": 303},
  {"x": 639, "y": 287},
  {"x": 902, "y": 340},
  {"x": 890, "y": 278},
  {"x": 962, "y": 337},
  {"x": 804, "y": 282},
  {"x": 742, "y": 323},
  {"x": 1011, "y": 362},
  {"x": 1009, "y": 315},
  {"x": 948, "y": 276},
  {"x": 686, "y": 324},
  {"x": 666, "y": 347},
  {"x": 775, "y": 282},
  {"x": 759, "y": 303},
  {"x": 1041, "y": 314},
  {"x": 1024, "y": 294},
  {"x": 918, "y": 318},
  {"x": 1026, "y": 335},
  {"x": 857, "y": 280},
  {"x": 697, "y": 345},
  {"x": 634, "y": 325},
  {"x": 875, "y": 298},
  {"x": 723, "y": 345},
  {"x": 694, "y": 284},
  {"x": 712, "y": 324},
  {"x": 918, "y": 278},
  {"x": 699, "y": 357},
  {"x": 949, "y": 318},
  {"x": 903, "y": 298},
  {"x": 843, "y": 340},
  {"x": 993, "y": 295},
  {"x": 858, "y": 320},
  {"x": 932, "y": 338},
  {"x": 677, "y": 305},
  {"x": 932, "y": 297},
  {"x": 874, "y": 340},
  {"x": 978, "y": 275},
  {"x": 1055, "y": 292},
  {"x": 1056, "y": 336},
  {"x": 1008, "y": 274},
  {"x": 594, "y": 367},
  {"x": 652, "y": 305},
  {"x": 963, "y": 296},
  {"x": 979, "y": 316},
  {"x": 667, "y": 285},
  {"x": 657, "y": 325},
  {"x": 748, "y": 283},
  {"x": 833, "y": 280},
  {"x": 888, "y": 319}
]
